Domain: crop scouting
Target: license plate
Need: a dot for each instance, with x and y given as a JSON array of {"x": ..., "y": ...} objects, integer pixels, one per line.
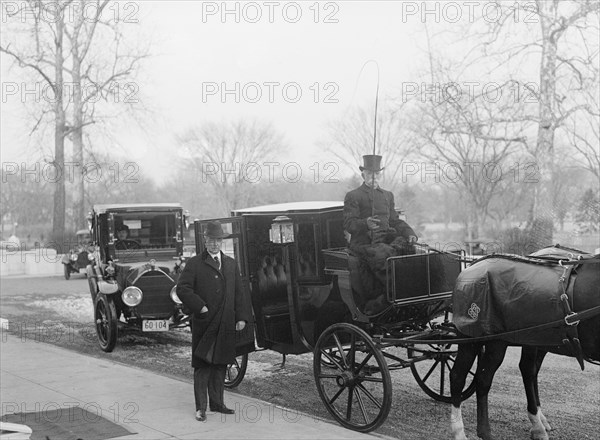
[{"x": 155, "y": 325}]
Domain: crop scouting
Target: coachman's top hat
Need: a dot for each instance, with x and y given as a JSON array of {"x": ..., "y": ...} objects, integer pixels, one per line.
[
  {"x": 215, "y": 230},
  {"x": 372, "y": 162}
]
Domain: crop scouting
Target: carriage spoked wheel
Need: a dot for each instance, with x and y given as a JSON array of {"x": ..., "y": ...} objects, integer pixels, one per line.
[
  {"x": 105, "y": 318},
  {"x": 236, "y": 371},
  {"x": 352, "y": 377},
  {"x": 333, "y": 353},
  {"x": 433, "y": 373}
]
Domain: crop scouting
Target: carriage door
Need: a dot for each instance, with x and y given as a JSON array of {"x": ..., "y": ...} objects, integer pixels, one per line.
[{"x": 234, "y": 246}]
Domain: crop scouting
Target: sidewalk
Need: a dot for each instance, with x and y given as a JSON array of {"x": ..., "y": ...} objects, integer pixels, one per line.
[{"x": 41, "y": 377}]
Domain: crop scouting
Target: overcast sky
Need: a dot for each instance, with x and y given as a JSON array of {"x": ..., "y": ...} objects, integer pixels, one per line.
[{"x": 297, "y": 65}]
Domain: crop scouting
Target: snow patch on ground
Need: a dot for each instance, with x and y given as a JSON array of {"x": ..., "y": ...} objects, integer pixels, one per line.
[{"x": 73, "y": 308}]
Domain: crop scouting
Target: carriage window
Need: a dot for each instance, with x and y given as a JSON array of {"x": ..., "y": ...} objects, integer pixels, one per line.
[{"x": 307, "y": 250}]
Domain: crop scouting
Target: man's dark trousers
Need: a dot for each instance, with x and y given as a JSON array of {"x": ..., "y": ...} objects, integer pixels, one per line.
[{"x": 211, "y": 376}]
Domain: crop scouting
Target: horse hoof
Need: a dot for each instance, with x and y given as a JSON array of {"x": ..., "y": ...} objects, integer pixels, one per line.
[
  {"x": 544, "y": 421},
  {"x": 460, "y": 436},
  {"x": 539, "y": 435}
]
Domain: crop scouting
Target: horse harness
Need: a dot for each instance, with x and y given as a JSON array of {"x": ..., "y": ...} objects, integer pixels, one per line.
[{"x": 572, "y": 319}]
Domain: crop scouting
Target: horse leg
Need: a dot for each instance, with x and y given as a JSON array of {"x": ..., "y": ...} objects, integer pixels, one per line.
[
  {"x": 458, "y": 376},
  {"x": 489, "y": 362},
  {"x": 541, "y": 354},
  {"x": 529, "y": 367}
]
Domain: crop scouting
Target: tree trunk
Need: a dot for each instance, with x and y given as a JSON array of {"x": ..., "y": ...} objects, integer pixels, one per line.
[
  {"x": 58, "y": 221},
  {"x": 541, "y": 223},
  {"x": 79, "y": 193}
]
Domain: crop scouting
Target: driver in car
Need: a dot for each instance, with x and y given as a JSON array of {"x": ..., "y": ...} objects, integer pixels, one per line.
[{"x": 123, "y": 242}]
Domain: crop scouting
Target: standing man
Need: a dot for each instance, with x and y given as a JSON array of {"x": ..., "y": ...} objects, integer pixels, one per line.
[
  {"x": 211, "y": 287},
  {"x": 369, "y": 212}
]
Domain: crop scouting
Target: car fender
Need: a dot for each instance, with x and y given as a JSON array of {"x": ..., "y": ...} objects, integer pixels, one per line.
[
  {"x": 107, "y": 288},
  {"x": 89, "y": 270}
]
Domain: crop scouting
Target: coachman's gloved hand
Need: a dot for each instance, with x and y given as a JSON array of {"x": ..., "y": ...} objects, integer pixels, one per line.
[{"x": 373, "y": 223}]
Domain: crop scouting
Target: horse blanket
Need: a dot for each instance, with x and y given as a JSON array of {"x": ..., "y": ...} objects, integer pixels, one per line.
[{"x": 497, "y": 295}]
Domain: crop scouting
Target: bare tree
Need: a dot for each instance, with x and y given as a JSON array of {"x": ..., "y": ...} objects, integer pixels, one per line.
[
  {"x": 229, "y": 158},
  {"x": 47, "y": 60},
  {"x": 584, "y": 133},
  {"x": 562, "y": 36},
  {"x": 66, "y": 31},
  {"x": 469, "y": 141}
]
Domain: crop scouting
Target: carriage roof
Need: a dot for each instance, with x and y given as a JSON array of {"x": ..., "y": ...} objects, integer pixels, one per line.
[{"x": 291, "y": 208}]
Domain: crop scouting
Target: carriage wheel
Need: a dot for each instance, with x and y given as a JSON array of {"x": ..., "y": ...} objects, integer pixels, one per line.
[
  {"x": 332, "y": 352},
  {"x": 433, "y": 374},
  {"x": 356, "y": 389},
  {"x": 236, "y": 371},
  {"x": 105, "y": 317}
]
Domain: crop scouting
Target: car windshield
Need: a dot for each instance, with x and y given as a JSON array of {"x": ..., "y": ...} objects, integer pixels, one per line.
[{"x": 146, "y": 230}]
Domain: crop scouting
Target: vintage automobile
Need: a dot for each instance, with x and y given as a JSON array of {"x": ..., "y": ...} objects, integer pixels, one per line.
[
  {"x": 77, "y": 257},
  {"x": 132, "y": 282}
]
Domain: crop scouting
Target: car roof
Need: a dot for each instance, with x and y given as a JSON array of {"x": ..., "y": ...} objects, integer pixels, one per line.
[
  {"x": 292, "y": 207},
  {"x": 123, "y": 207}
]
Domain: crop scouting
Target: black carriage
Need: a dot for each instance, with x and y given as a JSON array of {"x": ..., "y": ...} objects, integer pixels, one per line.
[
  {"x": 132, "y": 282},
  {"x": 310, "y": 294}
]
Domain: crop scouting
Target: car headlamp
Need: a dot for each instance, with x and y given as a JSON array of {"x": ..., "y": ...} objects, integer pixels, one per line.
[
  {"x": 73, "y": 257},
  {"x": 132, "y": 296},
  {"x": 174, "y": 296}
]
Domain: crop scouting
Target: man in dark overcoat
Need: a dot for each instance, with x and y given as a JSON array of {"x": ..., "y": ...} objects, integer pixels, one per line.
[
  {"x": 211, "y": 287},
  {"x": 369, "y": 211},
  {"x": 376, "y": 233}
]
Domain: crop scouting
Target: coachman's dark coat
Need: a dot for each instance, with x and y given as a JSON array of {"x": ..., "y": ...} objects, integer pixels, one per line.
[
  {"x": 358, "y": 206},
  {"x": 202, "y": 284}
]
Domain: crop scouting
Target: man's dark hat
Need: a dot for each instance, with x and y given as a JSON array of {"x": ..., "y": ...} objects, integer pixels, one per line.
[
  {"x": 372, "y": 162},
  {"x": 215, "y": 230},
  {"x": 122, "y": 228}
]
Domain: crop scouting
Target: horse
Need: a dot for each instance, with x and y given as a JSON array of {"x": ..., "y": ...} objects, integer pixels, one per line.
[{"x": 583, "y": 280}]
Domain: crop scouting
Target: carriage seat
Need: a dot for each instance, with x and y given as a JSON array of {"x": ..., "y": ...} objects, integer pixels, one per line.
[{"x": 272, "y": 286}]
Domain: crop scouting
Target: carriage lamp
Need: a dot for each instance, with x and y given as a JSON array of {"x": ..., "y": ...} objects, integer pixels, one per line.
[{"x": 282, "y": 230}]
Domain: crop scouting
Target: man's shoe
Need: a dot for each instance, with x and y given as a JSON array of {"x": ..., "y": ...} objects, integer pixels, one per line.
[
  {"x": 201, "y": 416},
  {"x": 223, "y": 410}
]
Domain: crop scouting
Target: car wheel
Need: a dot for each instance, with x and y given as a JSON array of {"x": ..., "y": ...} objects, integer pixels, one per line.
[
  {"x": 105, "y": 318},
  {"x": 67, "y": 271}
]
